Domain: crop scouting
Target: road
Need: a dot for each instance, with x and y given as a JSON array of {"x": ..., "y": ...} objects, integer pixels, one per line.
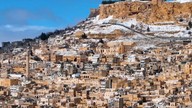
[{"x": 150, "y": 36}]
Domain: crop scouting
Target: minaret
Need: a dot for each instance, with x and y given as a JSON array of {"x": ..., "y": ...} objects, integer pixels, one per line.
[{"x": 27, "y": 63}]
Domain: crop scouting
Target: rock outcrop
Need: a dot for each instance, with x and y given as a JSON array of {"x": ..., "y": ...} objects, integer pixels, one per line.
[
  {"x": 147, "y": 12},
  {"x": 79, "y": 34},
  {"x": 94, "y": 13}
]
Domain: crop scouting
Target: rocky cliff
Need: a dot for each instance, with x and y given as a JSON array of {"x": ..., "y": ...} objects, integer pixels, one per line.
[{"x": 147, "y": 12}]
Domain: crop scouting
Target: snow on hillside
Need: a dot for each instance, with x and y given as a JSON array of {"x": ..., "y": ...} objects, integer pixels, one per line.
[
  {"x": 130, "y": 22},
  {"x": 165, "y": 28},
  {"x": 181, "y": 1},
  {"x": 96, "y": 20},
  {"x": 99, "y": 26},
  {"x": 105, "y": 30}
]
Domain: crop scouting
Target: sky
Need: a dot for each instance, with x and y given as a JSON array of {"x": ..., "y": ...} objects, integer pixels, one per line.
[{"x": 21, "y": 19}]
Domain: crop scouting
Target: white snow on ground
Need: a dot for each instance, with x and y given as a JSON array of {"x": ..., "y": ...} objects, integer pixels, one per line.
[
  {"x": 96, "y": 20},
  {"x": 166, "y": 28},
  {"x": 105, "y": 30},
  {"x": 98, "y": 26},
  {"x": 158, "y": 30},
  {"x": 66, "y": 53},
  {"x": 15, "y": 50},
  {"x": 179, "y": 34},
  {"x": 130, "y": 22},
  {"x": 145, "y": 46},
  {"x": 183, "y": 1}
]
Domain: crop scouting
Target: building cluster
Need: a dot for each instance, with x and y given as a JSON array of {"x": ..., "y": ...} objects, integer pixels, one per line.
[{"x": 82, "y": 72}]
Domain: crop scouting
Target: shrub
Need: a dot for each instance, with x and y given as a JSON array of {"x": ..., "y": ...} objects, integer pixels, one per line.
[
  {"x": 148, "y": 29},
  {"x": 190, "y": 24}
]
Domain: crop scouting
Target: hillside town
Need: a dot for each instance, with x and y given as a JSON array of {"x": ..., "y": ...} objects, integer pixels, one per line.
[{"x": 101, "y": 63}]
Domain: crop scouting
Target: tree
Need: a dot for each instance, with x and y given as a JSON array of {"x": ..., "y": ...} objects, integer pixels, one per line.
[
  {"x": 148, "y": 29},
  {"x": 108, "y": 2},
  {"x": 190, "y": 24},
  {"x": 187, "y": 28},
  {"x": 56, "y": 32},
  {"x": 84, "y": 36},
  {"x": 31, "y": 53},
  {"x": 101, "y": 41},
  {"x": 50, "y": 33},
  {"x": 189, "y": 32},
  {"x": 75, "y": 59},
  {"x": 43, "y": 36},
  {"x": 181, "y": 20},
  {"x": 132, "y": 26}
]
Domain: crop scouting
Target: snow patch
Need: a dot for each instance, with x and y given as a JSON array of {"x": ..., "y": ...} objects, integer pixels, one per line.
[{"x": 96, "y": 20}]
